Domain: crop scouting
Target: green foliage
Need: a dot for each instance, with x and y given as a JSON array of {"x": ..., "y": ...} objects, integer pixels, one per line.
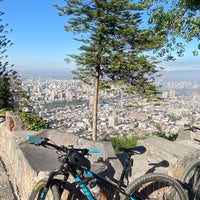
[
  {"x": 33, "y": 122},
  {"x": 125, "y": 141},
  {"x": 118, "y": 37},
  {"x": 10, "y": 83},
  {"x": 3, "y": 111},
  {"x": 131, "y": 141},
  {"x": 114, "y": 43},
  {"x": 5, "y": 94},
  {"x": 75, "y": 102},
  {"x": 179, "y": 21}
]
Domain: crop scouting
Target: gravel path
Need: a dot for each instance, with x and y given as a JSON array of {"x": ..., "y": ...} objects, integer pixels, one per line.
[{"x": 6, "y": 189}]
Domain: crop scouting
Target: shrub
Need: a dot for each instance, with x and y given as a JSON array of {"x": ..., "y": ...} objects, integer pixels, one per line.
[
  {"x": 33, "y": 122},
  {"x": 126, "y": 141}
]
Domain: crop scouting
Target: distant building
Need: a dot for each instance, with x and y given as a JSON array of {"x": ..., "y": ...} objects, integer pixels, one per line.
[
  {"x": 165, "y": 95},
  {"x": 69, "y": 96},
  {"x": 41, "y": 113},
  {"x": 91, "y": 100},
  {"x": 113, "y": 121},
  {"x": 172, "y": 94}
]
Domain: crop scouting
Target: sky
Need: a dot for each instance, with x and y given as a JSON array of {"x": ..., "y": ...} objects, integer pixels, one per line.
[{"x": 40, "y": 40}]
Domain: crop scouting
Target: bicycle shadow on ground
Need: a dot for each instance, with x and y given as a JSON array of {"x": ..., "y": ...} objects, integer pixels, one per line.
[
  {"x": 153, "y": 166},
  {"x": 163, "y": 164}
]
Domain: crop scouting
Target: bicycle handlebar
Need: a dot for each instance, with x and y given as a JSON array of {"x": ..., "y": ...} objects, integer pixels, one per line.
[
  {"x": 34, "y": 140},
  {"x": 44, "y": 142}
]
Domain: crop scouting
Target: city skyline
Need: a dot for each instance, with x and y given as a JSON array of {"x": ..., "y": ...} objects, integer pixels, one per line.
[
  {"x": 66, "y": 105},
  {"x": 40, "y": 40}
]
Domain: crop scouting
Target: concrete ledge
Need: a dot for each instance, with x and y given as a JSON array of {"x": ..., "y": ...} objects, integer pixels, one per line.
[
  {"x": 176, "y": 153},
  {"x": 27, "y": 163},
  {"x": 13, "y": 122}
]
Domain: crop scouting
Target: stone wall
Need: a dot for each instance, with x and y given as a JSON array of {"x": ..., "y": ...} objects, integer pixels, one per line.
[{"x": 28, "y": 163}]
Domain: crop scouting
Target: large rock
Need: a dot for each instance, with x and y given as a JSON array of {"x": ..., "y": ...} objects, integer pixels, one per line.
[
  {"x": 28, "y": 163},
  {"x": 175, "y": 153},
  {"x": 13, "y": 122},
  {"x": 105, "y": 163}
]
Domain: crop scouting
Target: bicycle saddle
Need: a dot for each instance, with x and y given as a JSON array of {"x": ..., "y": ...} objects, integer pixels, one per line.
[{"x": 134, "y": 150}]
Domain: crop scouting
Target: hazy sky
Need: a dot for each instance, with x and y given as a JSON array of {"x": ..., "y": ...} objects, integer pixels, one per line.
[{"x": 40, "y": 40}]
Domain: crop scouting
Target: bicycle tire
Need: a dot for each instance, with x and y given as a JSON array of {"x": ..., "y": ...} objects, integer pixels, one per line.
[
  {"x": 154, "y": 186},
  {"x": 53, "y": 193},
  {"x": 188, "y": 177}
]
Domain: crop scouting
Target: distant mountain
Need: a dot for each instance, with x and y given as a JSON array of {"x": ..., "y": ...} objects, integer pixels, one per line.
[
  {"x": 56, "y": 73},
  {"x": 65, "y": 73},
  {"x": 181, "y": 75}
]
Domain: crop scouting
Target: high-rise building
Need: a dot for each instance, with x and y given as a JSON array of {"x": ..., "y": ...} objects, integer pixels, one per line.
[{"x": 113, "y": 120}]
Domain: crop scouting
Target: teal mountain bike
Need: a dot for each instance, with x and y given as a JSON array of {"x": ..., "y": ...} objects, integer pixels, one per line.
[{"x": 75, "y": 181}]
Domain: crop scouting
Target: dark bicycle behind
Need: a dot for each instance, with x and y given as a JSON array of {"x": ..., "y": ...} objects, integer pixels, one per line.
[{"x": 190, "y": 176}]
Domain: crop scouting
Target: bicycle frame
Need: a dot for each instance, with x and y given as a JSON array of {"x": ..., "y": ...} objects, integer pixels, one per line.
[
  {"x": 66, "y": 168},
  {"x": 82, "y": 181},
  {"x": 117, "y": 187},
  {"x": 84, "y": 187}
]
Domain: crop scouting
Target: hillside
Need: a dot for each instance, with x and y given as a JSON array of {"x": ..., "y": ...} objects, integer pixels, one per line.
[
  {"x": 181, "y": 75},
  {"x": 65, "y": 73}
]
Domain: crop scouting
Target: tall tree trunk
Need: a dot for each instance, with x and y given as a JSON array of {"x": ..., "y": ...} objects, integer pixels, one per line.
[{"x": 95, "y": 104}]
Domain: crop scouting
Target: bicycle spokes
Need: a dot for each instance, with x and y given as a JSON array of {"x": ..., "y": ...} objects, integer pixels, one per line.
[{"x": 155, "y": 191}]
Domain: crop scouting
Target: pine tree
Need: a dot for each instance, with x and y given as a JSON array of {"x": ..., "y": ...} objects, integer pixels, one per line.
[
  {"x": 10, "y": 83},
  {"x": 115, "y": 46}
]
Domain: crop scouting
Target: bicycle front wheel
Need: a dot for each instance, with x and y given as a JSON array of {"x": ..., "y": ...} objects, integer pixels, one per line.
[
  {"x": 52, "y": 194},
  {"x": 191, "y": 179},
  {"x": 154, "y": 187}
]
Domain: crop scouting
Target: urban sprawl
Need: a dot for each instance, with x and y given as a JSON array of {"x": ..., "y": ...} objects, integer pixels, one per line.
[{"x": 67, "y": 104}]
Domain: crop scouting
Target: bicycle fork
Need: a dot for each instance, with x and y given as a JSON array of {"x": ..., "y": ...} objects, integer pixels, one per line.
[{"x": 45, "y": 190}]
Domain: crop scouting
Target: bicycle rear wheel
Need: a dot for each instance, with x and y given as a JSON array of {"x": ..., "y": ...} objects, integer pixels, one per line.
[
  {"x": 53, "y": 193},
  {"x": 154, "y": 187},
  {"x": 191, "y": 179}
]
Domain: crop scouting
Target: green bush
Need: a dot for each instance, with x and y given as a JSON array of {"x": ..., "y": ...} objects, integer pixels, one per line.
[
  {"x": 125, "y": 141},
  {"x": 33, "y": 122},
  {"x": 131, "y": 141}
]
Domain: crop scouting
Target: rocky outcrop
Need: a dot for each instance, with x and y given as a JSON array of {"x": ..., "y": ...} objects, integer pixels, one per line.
[{"x": 13, "y": 122}]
